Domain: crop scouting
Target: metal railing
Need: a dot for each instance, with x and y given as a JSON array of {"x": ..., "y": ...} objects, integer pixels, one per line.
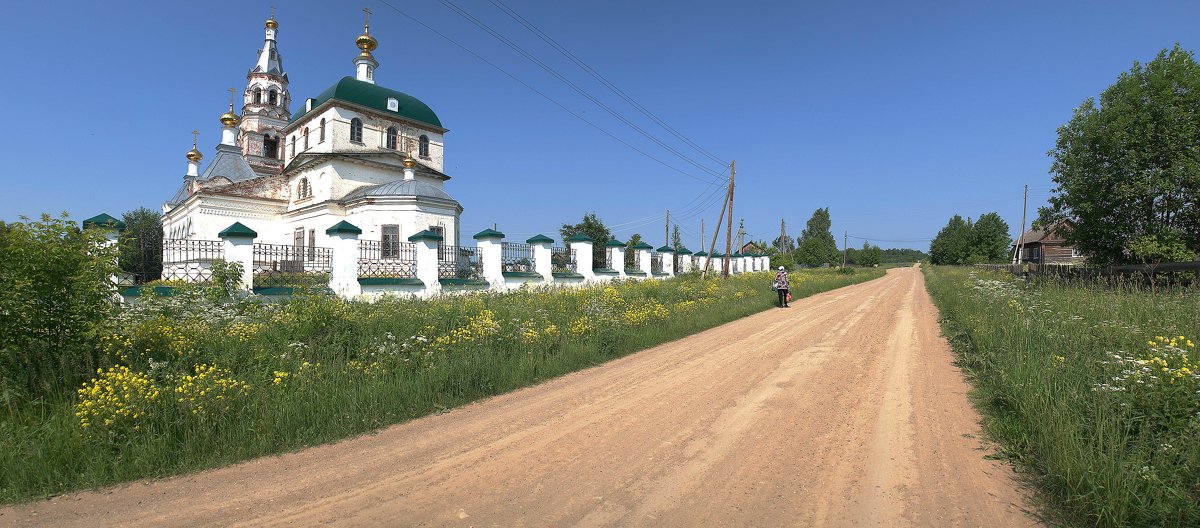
[
  {"x": 608, "y": 260},
  {"x": 516, "y": 257},
  {"x": 283, "y": 265},
  {"x": 456, "y": 262},
  {"x": 562, "y": 260},
  {"x": 393, "y": 260},
  {"x": 190, "y": 260},
  {"x": 656, "y": 263}
]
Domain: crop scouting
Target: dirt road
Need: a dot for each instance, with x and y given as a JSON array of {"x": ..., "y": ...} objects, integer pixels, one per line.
[{"x": 843, "y": 410}]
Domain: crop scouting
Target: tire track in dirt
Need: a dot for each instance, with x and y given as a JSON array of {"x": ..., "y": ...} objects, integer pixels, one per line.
[{"x": 842, "y": 410}]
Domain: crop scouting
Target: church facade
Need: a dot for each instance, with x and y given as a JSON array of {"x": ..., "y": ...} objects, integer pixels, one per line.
[{"x": 356, "y": 152}]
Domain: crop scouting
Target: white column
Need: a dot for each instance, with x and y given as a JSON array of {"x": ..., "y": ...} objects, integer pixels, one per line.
[
  {"x": 618, "y": 260},
  {"x": 541, "y": 261},
  {"x": 490, "y": 258},
  {"x": 646, "y": 265},
  {"x": 427, "y": 261},
  {"x": 583, "y": 259},
  {"x": 668, "y": 262},
  {"x": 685, "y": 263},
  {"x": 240, "y": 250},
  {"x": 343, "y": 274}
]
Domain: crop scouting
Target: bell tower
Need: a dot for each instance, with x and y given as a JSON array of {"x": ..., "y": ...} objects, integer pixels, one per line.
[{"x": 265, "y": 107}]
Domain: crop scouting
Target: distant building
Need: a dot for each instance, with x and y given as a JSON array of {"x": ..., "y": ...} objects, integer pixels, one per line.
[
  {"x": 751, "y": 249},
  {"x": 1046, "y": 245}
]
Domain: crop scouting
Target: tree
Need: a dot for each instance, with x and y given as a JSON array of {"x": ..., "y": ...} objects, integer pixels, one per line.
[
  {"x": 676, "y": 240},
  {"x": 1127, "y": 169},
  {"x": 817, "y": 246},
  {"x": 593, "y": 228},
  {"x": 869, "y": 255},
  {"x": 783, "y": 243},
  {"x": 56, "y": 292},
  {"x": 634, "y": 240},
  {"x": 990, "y": 239},
  {"x": 952, "y": 244},
  {"x": 141, "y": 244},
  {"x": 895, "y": 255}
]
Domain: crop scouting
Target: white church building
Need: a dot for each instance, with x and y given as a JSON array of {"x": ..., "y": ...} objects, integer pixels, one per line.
[{"x": 357, "y": 152}]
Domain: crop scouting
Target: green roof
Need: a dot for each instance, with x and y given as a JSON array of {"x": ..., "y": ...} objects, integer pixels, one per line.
[
  {"x": 375, "y": 97},
  {"x": 488, "y": 233},
  {"x": 615, "y": 243},
  {"x": 666, "y": 249},
  {"x": 103, "y": 220},
  {"x": 580, "y": 237},
  {"x": 343, "y": 227},
  {"x": 237, "y": 230},
  {"x": 540, "y": 239},
  {"x": 684, "y": 251},
  {"x": 425, "y": 235},
  {"x": 701, "y": 253},
  {"x": 643, "y": 245}
]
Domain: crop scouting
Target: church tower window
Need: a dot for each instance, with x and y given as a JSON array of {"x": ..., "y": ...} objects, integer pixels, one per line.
[
  {"x": 423, "y": 146},
  {"x": 391, "y": 138},
  {"x": 304, "y": 190},
  {"x": 305, "y": 138},
  {"x": 321, "y": 135},
  {"x": 257, "y": 96},
  {"x": 272, "y": 98},
  {"x": 270, "y": 147},
  {"x": 356, "y": 130}
]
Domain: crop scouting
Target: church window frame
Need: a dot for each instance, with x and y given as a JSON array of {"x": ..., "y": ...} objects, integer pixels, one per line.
[
  {"x": 356, "y": 130},
  {"x": 392, "y": 135},
  {"x": 304, "y": 189},
  {"x": 311, "y": 254},
  {"x": 321, "y": 132},
  {"x": 389, "y": 241},
  {"x": 423, "y": 146},
  {"x": 273, "y": 97},
  {"x": 293, "y": 151},
  {"x": 257, "y": 95},
  {"x": 270, "y": 147},
  {"x": 305, "y": 134}
]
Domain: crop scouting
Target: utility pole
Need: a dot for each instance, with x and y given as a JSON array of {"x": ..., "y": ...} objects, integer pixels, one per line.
[
  {"x": 729, "y": 227},
  {"x": 701, "y": 234},
  {"x": 845, "y": 246},
  {"x": 741, "y": 233},
  {"x": 1021, "y": 235},
  {"x": 667, "y": 230},
  {"x": 712, "y": 246}
]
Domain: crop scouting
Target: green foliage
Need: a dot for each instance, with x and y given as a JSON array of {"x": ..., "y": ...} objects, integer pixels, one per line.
[
  {"x": 868, "y": 256},
  {"x": 634, "y": 240},
  {"x": 1092, "y": 388},
  {"x": 676, "y": 239},
  {"x": 593, "y": 227},
  {"x": 141, "y": 245},
  {"x": 199, "y": 383},
  {"x": 817, "y": 246},
  {"x": 1155, "y": 249},
  {"x": 964, "y": 242},
  {"x": 903, "y": 255},
  {"x": 1127, "y": 169},
  {"x": 56, "y": 291}
]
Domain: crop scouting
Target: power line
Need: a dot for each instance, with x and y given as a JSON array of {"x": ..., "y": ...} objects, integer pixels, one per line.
[
  {"x": 886, "y": 240},
  {"x": 512, "y": 45},
  {"x": 596, "y": 75},
  {"x": 539, "y": 92}
]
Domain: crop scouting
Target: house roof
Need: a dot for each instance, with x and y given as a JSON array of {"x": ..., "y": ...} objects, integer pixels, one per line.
[
  {"x": 1045, "y": 234},
  {"x": 399, "y": 188},
  {"x": 375, "y": 97}
]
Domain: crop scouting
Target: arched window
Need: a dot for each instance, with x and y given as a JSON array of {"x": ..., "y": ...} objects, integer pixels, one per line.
[
  {"x": 321, "y": 134},
  {"x": 305, "y": 133},
  {"x": 391, "y": 138},
  {"x": 423, "y": 146},
  {"x": 270, "y": 147},
  {"x": 272, "y": 97},
  {"x": 304, "y": 190},
  {"x": 257, "y": 95},
  {"x": 356, "y": 130},
  {"x": 293, "y": 153}
]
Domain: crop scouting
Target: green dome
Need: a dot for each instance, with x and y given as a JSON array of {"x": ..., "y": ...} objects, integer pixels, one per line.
[{"x": 365, "y": 94}]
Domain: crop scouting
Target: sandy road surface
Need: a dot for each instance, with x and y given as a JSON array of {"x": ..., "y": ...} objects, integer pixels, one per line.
[{"x": 843, "y": 410}]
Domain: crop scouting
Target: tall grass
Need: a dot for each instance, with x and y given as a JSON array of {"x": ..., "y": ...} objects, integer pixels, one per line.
[
  {"x": 192, "y": 383},
  {"x": 1093, "y": 388}
]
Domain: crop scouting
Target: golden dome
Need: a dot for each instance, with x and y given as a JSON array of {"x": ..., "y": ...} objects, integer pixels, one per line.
[
  {"x": 409, "y": 162},
  {"x": 229, "y": 118},
  {"x": 194, "y": 155},
  {"x": 366, "y": 42},
  {"x": 272, "y": 24}
]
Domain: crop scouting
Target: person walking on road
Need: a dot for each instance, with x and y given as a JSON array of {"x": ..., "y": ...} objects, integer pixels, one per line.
[{"x": 781, "y": 286}]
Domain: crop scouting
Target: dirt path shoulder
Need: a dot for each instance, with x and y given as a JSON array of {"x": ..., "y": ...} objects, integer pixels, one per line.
[{"x": 844, "y": 410}]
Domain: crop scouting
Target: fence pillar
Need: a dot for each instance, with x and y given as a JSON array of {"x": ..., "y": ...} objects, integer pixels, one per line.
[
  {"x": 489, "y": 242},
  {"x": 112, "y": 236},
  {"x": 616, "y": 253},
  {"x": 239, "y": 248},
  {"x": 581, "y": 244},
  {"x": 685, "y": 261},
  {"x": 541, "y": 257},
  {"x": 647, "y": 266},
  {"x": 343, "y": 264},
  {"x": 668, "y": 260},
  {"x": 427, "y": 243}
]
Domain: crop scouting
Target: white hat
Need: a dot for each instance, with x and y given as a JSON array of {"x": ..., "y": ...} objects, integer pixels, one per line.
[{"x": 780, "y": 268}]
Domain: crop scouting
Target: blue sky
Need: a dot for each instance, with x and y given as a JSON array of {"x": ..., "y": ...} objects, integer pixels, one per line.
[{"x": 894, "y": 115}]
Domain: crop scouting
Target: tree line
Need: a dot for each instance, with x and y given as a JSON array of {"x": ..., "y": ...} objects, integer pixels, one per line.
[{"x": 965, "y": 242}]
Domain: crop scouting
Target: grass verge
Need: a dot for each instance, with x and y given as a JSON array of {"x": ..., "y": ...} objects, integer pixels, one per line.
[
  {"x": 1093, "y": 389},
  {"x": 190, "y": 383}
]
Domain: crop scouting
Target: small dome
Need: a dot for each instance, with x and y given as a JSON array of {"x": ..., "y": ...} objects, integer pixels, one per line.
[
  {"x": 229, "y": 118},
  {"x": 194, "y": 155},
  {"x": 272, "y": 24},
  {"x": 366, "y": 42}
]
